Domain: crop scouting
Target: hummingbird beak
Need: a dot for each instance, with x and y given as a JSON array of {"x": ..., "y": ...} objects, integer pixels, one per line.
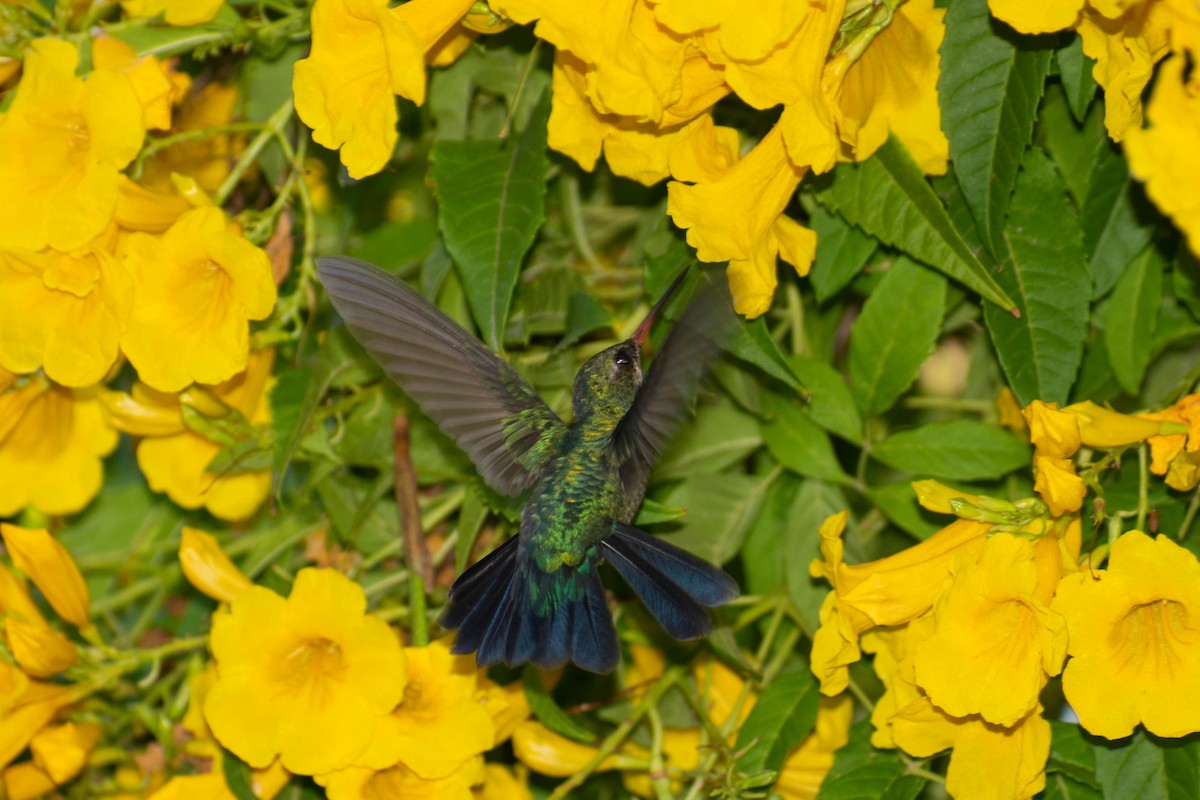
[{"x": 643, "y": 330}]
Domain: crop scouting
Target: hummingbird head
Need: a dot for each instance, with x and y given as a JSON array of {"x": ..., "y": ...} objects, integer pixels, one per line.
[{"x": 608, "y": 382}]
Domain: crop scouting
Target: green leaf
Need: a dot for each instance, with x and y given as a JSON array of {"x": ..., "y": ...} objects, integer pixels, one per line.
[
  {"x": 888, "y": 197},
  {"x": 1185, "y": 283},
  {"x": 1044, "y": 269},
  {"x": 832, "y": 404},
  {"x": 989, "y": 91},
  {"x": 784, "y": 714},
  {"x": 1075, "y": 73},
  {"x": 842, "y": 252},
  {"x": 584, "y": 315},
  {"x": 762, "y": 566},
  {"x": 1071, "y": 754},
  {"x": 1112, "y": 232},
  {"x": 797, "y": 441},
  {"x": 860, "y": 772},
  {"x": 547, "y": 711},
  {"x": 1074, "y": 147},
  {"x": 1062, "y": 787},
  {"x": 720, "y": 510},
  {"x": 470, "y": 520},
  {"x": 899, "y": 504},
  {"x": 1131, "y": 318},
  {"x": 652, "y": 512},
  {"x": 751, "y": 342},
  {"x": 1149, "y": 768},
  {"x": 894, "y": 334},
  {"x": 963, "y": 450},
  {"x": 238, "y": 778},
  {"x": 720, "y": 435},
  {"x": 492, "y": 197},
  {"x": 801, "y": 543},
  {"x": 168, "y": 40}
]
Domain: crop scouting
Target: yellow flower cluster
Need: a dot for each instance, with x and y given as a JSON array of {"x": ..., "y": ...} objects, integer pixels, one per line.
[
  {"x": 313, "y": 685},
  {"x": 1127, "y": 39},
  {"x": 968, "y": 626},
  {"x": 32, "y": 701},
  {"x": 637, "y": 81},
  {"x": 96, "y": 268}
]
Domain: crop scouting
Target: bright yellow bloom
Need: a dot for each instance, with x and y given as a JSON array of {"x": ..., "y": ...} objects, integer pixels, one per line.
[
  {"x": 15, "y": 601},
  {"x": 738, "y": 217},
  {"x": 890, "y": 591},
  {"x": 1166, "y": 156},
  {"x": 39, "y": 649},
  {"x": 29, "y": 712},
  {"x": 198, "y": 286},
  {"x": 1183, "y": 473},
  {"x": 358, "y": 783},
  {"x": 363, "y": 53},
  {"x": 308, "y": 679},
  {"x": 989, "y": 762},
  {"x": 62, "y": 750},
  {"x": 62, "y": 142},
  {"x": 206, "y": 160},
  {"x": 25, "y": 781},
  {"x": 942, "y": 499},
  {"x": 64, "y": 312},
  {"x": 47, "y": 563},
  {"x": 806, "y": 767},
  {"x": 500, "y": 783},
  {"x": 1032, "y": 16},
  {"x": 441, "y": 704},
  {"x": 142, "y": 209},
  {"x": 1058, "y": 484},
  {"x": 1054, "y": 433},
  {"x": 176, "y": 12},
  {"x": 1009, "y": 412},
  {"x": 547, "y": 753},
  {"x": 1101, "y": 427},
  {"x": 891, "y": 87},
  {"x": 746, "y": 32},
  {"x": 1126, "y": 49},
  {"x": 174, "y": 458},
  {"x": 1135, "y": 657},
  {"x": 995, "y": 641},
  {"x": 206, "y": 566},
  {"x": 147, "y": 75},
  {"x": 52, "y": 441}
]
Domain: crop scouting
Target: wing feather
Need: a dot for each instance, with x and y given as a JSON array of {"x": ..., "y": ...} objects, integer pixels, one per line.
[{"x": 475, "y": 397}]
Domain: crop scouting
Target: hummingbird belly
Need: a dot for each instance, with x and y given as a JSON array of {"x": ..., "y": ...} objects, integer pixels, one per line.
[{"x": 572, "y": 508}]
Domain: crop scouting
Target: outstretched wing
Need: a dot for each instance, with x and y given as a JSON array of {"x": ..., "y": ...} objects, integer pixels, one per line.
[
  {"x": 475, "y": 397},
  {"x": 666, "y": 394}
]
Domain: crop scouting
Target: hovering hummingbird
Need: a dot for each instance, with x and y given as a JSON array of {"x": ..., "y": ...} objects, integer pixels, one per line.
[{"x": 538, "y": 597}]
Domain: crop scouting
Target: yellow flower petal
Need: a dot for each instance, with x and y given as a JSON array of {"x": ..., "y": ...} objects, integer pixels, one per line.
[
  {"x": 206, "y": 566},
  {"x": 29, "y": 713},
  {"x": 1054, "y": 433},
  {"x": 1126, "y": 50},
  {"x": 1058, "y": 485},
  {"x": 1135, "y": 656},
  {"x": 39, "y": 649},
  {"x": 205, "y": 161},
  {"x": 62, "y": 750},
  {"x": 146, "y": 74},
  {"x": 358, "y": 783},
  {"x": 547, "y": 753},
  {"x": 48, "y": 564},
  {"x": 182, "y": 13},
  {"x": 1032, "y": 16}
]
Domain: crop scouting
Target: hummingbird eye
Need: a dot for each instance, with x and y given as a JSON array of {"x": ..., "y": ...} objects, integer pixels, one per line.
[{"x": 621, "y": 360}]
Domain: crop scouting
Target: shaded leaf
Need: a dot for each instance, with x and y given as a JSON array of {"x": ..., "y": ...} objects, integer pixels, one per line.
[
  {"x": 1075, "y": 72},
  {"x": 751, "y": 342},
  {"x": 546, "y": 709},
  {"x": 899, "y": 504},
  {"x": 238, "y": 778},
  {"x": 783, "y": 715},
  {"x": 894, "y": 334},
  {"x": 832, "y": 404},
  {"x": 1131, "y": 318},
  {"x": 988, "y": 90},
  {"x": 721, "y": 434},
  {"x": 861, "y": 772},
  {"x": 1071, "y": 753},
  {"x": 888, "y": 197},
  {"x": 1044, "y": 269},
  {"x": 842, "y": 252},
  {"x": 797, "y": 441},
  {"x": 1143, "y": 767},
  {"x": 963, "y": 450},
  {"x": 1112, "y": 232},
  {"x": 720, "y": 510},
  {"x": 492, "y": 196},
  {"x": 801, "y": 543}
]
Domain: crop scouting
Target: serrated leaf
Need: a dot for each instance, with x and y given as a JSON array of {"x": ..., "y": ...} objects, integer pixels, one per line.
[
  {"x": 888, "y": 197},
  {"x": 492, "y": 196},
  {"x": 899, "y": 504},
  {"x": 796, "y": 441},
  {"x": 1149, "y": 768},
  {"x": 842, "y": 252},
  {"x": 832, "y": 404},
  {"x": 1044, "y": 269},
  {"x": 1073, "y": 146},
  {"x": 1071, "y": 753},
  {"x": 1061, "y": 787},
  {"x": 989, "y": 91},
  {"x": 894, "y": 334},
  {"x": 1131, "y": 318},
  {"x": 546, "y": 709},
  {"x": 861, "y": 772},
  {"x": 1112, "y": 231},
  {"x": 1075, "y": 73},
  {"x": 783, "y": 715},
  {"x": 963, "y": 450},
  {"x": 720, "y": 510},
  {"x": 751, "y": 342}
]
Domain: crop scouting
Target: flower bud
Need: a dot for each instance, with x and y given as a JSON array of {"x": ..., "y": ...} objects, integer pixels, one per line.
[
  {"x": 208, "y": 568},
  {"x": 1054, "y": 433},
  {"x": 1101, "y": 427},
  {"x": 1058, "y": 484},
  {"x": 48, "y": 564},
  {"x": 544, "y": 751}
]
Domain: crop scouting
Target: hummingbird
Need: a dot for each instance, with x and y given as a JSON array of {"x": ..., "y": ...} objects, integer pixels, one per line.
[{"x": 538, "y": 597}]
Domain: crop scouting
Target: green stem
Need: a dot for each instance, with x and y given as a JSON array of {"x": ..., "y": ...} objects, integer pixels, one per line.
[
  {"x": 615, "y": 739},
  {"x": 1143, "y": 507},
  {"x": 573, "y": 214},
  {"x": 520, "y": 90},
  {"x": 658, "y": 773},
  {"x": 155, "y": 146},
  {"x": 418, "y": 625},
  {"x": 973, "y": 405},
  {"x": 271, "y": 129},
  {"x": 1190, "y": 516}
]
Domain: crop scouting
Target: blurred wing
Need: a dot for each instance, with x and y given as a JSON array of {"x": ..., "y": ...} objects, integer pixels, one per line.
[
  {"x": 666, "y": 394},
  {"x": 475, "y": 397}
]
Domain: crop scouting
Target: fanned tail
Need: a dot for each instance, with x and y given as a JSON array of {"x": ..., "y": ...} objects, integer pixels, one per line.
[
  {"x": 505, "y": 611},
  {"x": 674, "y": 585}
]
